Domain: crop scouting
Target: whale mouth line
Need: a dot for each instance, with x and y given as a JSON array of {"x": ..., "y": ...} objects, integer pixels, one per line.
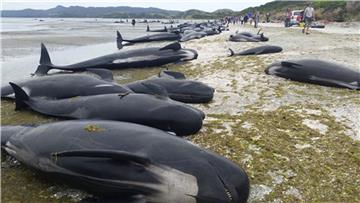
[{"x": 226, "y": 189}]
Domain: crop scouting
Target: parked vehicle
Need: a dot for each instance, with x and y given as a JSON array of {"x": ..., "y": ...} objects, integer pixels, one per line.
[{"x": 296, "y": 17}]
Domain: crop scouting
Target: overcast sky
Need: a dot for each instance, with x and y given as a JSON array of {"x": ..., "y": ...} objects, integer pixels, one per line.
[{"x": 182, "y": 5}]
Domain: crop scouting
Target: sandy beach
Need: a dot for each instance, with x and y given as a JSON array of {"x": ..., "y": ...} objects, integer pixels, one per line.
[{"x": 298, "y": 142}]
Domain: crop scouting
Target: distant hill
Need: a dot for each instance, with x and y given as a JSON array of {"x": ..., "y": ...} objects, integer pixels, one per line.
[
  {"x": 92, "y": 12},
  {"x": 117, "y": 12},
  {"x": 325, "y": 10}
]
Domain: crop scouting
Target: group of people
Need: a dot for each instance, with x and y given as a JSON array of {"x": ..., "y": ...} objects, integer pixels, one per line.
[
  {"x": 307, "y": 16},
  {"x": 251, "y": 16}
]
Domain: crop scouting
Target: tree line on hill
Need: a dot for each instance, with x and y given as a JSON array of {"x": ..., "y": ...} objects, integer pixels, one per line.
[{"x": 325, "y": 10}]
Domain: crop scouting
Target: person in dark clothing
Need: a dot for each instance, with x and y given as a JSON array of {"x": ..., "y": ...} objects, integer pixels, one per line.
[
  {"x": 256, "y": 19},
  {"x": 133, "y": 22},
  {"x": 246, "y": 18},
  {"x": 268, "y": 17},
  {"x": 287, "y": 17}
]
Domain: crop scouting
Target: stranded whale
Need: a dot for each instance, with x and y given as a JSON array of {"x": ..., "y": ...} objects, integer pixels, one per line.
[
  {"x": 248, "y": 37},
  {"x": 267, "y": 49},
  {"x": 59, "y": 86},
  {"x": 123, "y": 160},
  {"x": 138, "y": 58},
  {"x": 316, "y": 72},
  {"x": 146, "y": 38},
  {"x": 153, "y": 110},
  {"x": 65, "y": 85},
  {"x": 177, "y": 86}
]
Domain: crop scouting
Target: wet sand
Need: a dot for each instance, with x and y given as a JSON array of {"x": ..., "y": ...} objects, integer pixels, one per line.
[{"x": 298, "y": 142}]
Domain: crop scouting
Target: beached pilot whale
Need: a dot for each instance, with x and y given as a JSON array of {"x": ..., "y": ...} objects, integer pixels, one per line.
[
  {"x": 60, "y": 86},
  {"x": 137, "y": 58},
  {"x": 316, "y": 72},
  {"x": 187, "y": 36},
  {"x": 156, "y": 30},
  {"x": 155, "y": 110},
  {"x": 124, "y": 160},
  {"x": 258, "y": 50},
  {"x": 146, "y": 38},
  {"x": 248, "y": 37},
  {"x": 177, "y": 86}
]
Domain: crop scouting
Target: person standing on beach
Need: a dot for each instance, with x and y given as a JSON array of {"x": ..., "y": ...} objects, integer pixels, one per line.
[
  {"x": 308, "y": 17},
  {"x": 250, "y": 15},
  {"x": 268, "y": 17},
  {"x": 287, "y": 17},
  {"x": 133, "y": 22},
  {"x": 256, "y": 19},
  {"x": 246, "y": 18},
  {"x": 241, "y": 18}
]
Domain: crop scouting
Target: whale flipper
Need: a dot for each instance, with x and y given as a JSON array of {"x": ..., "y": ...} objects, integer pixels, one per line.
[
  {"x": 172, "y": 74},
  {"x": 118, "y": 157},
  {"x": 290, "y": 64},
  {"x": 156, "y": 89},
  {"x": 20, "y": 97},
  {"x": 104, "y": 74},
  {"x": 174, "y": 46},
  {"x": 132, "y": 199},
  {"x": 207, "y": 199},
  {"x": 112, "y": 154},
  {"x": 353, "y": 86}
]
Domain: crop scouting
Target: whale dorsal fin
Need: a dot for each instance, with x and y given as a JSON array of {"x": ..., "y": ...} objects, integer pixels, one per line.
[
  {"x": 231, "y": 52},
  {"x": 44, "y": 57},
  {"x": 119, "y": 40},
  {"x": 156, "y": 89},
  {"x": 174, "y": 46},
  {"x": 111, "y": 154},
  {"x": 21, "y": 97}
]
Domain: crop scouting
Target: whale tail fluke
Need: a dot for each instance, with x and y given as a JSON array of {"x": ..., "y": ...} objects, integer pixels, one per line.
[
  {"x": 231, "y": 52},
  {"x": 21, "y": 97},
  {"x": 119, "y": 40},
  {"x": 45, "y": 62}
]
